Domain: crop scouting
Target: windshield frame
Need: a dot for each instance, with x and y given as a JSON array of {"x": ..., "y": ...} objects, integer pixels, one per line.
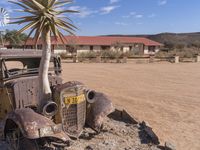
[{"x": 6, "y": 75}]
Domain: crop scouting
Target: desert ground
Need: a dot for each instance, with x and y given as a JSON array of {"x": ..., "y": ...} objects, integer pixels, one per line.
[{"x": 165, "y": 95}]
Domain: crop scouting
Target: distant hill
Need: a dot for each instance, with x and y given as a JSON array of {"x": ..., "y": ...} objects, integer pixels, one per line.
[{"x": 172, "y": 38}]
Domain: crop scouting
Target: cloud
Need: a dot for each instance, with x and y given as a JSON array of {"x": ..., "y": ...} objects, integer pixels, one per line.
[
  {"x": 130, "y": 15},
  {"x": 83, "y": 11},
  {"x": 121, "y": 23},
  {"x": 138, "y": 16},
  {"x": 152, "y": 15},
  {"x": 86, "y": 12},
  {"x": 108, "y": 9},
  {"x": 114, "y": 1},
  {"x": 162, "y": 2},
  {"x": 133, "y": 14}
]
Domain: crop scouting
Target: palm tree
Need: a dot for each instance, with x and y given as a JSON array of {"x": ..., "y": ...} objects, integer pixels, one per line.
[{"x": 45, "y": 18}]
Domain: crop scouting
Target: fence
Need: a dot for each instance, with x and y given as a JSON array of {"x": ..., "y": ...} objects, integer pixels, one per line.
[{"x": 135, "y": 59}]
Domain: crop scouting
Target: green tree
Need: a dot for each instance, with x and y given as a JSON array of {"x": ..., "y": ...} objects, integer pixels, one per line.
[
  {"x": 169, "y": 45},
  {"x": 196, "y": 44},
  {"x": 117, "y": 46},
  {"x": 45, "y": 18},
  {"x": 15, "y": 40},
  {"x": 72, "y": 46}
]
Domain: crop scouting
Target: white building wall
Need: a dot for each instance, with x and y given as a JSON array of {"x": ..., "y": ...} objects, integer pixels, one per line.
[
  {"x": 59, "y": 51},
  {"x": 86, "y": 48},
  {"x": 112, "y": 48},
  {"x": 126, "y": 49},
  {"x": 97, "y": 48},
  {"x": 146, "y": 50},
  {"x": 82, "y": 49},
  {"x": 157, "y": 49}
]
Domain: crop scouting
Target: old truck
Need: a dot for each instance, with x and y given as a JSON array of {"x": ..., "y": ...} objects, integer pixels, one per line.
[{"x": 72, "y": 105}]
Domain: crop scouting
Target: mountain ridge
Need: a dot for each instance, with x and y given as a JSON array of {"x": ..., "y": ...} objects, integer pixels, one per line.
[{"x": 170, "y": 38}]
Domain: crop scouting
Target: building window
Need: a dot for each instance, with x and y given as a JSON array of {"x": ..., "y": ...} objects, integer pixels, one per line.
[
  {"x": 136, "y": 45},
  {"x": 91, "y": 48},
  {"x": 130, "y": 48},
  {"x": 105, "y": 47},
  {"x": 152, "y": 48}
]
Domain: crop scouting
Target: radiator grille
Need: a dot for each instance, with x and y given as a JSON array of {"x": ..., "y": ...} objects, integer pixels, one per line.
[{"x": 74, "y": 118}]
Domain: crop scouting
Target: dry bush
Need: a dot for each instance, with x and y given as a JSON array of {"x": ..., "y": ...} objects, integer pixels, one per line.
[
  {"x": 111, "y": 54},
  {"x": 184, "y": 53},
  {"x": 88, "y": 54},
  {"x": 64, "y": 56}
]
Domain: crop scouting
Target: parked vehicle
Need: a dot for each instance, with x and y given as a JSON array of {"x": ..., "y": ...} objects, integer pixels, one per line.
[{"x": 72, "y": 105}]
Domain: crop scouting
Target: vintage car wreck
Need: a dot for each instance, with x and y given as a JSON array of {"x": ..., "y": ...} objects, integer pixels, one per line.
[{"x": 71, "y": 108}]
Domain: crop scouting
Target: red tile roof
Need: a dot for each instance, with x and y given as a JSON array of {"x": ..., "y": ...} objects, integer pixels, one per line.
[{"x": 100, "y": 40}]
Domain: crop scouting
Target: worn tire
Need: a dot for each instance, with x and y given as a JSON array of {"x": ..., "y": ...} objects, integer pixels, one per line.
[
  {"x": 27, "y": 144},
  {"x": 16, "y": 141}
]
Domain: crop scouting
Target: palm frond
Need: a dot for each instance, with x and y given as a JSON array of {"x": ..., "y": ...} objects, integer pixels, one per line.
[
  {"x": 27, "y": 27},
  {"x": 39, "y": 5},
  {"x": 19, "y": 4},
  {"x": 52, "y": 2},
  {"x": 44, "y": 14},
  {"x": 66, "y": 11},
  {"x": 61, "y": 2}
]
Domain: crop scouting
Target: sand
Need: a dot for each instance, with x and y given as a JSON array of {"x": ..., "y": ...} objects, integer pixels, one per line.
[{"x": 165, "y": 95}]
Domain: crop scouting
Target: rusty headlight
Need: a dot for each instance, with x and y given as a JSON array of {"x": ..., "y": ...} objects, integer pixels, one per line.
[
  {"x": 90, "y": 96},
  {"x": 50, "y": 109}
]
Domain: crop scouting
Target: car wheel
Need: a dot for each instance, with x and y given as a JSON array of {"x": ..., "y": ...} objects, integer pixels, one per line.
[
  {"x": 17, "y": 142},
  {"x": 27, "y": 144}
]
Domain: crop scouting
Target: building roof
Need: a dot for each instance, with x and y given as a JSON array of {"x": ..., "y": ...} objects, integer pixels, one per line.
[{"x": 99, "y": 40}]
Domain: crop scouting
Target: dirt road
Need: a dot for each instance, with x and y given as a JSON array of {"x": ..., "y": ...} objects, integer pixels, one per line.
[{"x": 166, "y": 95}]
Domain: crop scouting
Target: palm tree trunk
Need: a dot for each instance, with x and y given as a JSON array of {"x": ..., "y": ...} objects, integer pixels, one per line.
[{"x": 44, "y": 86}]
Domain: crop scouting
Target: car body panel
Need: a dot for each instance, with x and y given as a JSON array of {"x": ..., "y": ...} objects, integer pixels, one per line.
[{"x": 31, "y": 124}]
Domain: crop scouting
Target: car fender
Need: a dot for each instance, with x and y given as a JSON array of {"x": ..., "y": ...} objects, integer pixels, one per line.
[
  {"x": 34, "y": 125},
  {"x": 97, "y": 111}
]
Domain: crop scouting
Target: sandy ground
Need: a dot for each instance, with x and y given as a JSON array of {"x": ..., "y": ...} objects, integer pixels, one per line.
[{"x": 166, "y": 95}]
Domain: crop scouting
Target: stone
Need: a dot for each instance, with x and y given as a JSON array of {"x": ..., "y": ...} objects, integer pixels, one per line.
[
  {"x": 150, "y": 133},
  {"x": 155, "y": 148},
  {"x": 169, "y": 146},
  {"x": 89, "y": 147}
]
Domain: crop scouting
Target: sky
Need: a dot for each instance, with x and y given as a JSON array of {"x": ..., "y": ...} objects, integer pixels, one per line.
[{"x": 103, "y": 17}]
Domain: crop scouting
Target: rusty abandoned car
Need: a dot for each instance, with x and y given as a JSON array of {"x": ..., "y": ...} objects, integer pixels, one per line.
[{"x": 72, "y": 105}]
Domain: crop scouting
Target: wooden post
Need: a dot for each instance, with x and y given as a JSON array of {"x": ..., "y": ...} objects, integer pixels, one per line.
[
  {"x": 198, "y": 58},
  {"x": 74, "y": 59},
  {"x": 118, "y": 60},
  {"x": 176, "y": 59},
  {"x": 151, "y": 59},
  {"x": 124, "y": 59},
  {"x": 98, "y": 59}
]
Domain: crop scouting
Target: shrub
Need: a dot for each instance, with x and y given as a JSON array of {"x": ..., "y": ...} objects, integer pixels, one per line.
[
  {"x": 184, "y": 53},
  {"x": 87, "y": 54},
  {"x": 111, "y": 54},
  {"x": 64, "y": 55},
  {"x": 133, "y": 53}
]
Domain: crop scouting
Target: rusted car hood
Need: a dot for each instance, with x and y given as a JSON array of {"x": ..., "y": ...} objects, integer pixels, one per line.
[{"x": 34, "y": 125}]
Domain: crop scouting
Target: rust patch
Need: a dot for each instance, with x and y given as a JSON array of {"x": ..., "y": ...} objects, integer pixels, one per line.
[
  {"x": 26, "y": 92},
  {"x": 31, "y": 124}
]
